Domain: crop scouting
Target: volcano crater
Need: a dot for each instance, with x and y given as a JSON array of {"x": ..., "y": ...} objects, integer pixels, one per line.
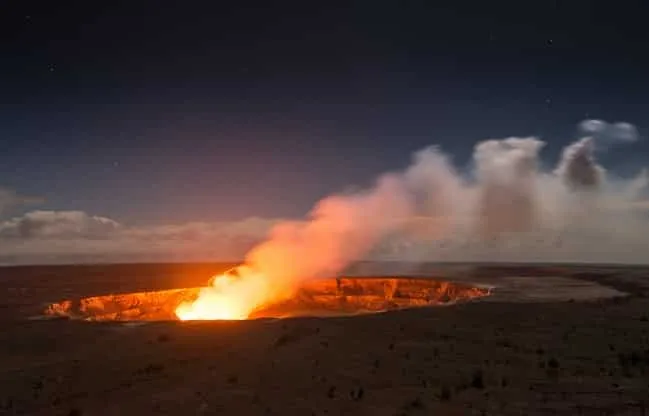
[{"x": 316, "y": 297}]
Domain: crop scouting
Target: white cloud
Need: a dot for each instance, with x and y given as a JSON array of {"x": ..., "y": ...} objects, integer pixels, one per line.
[
  {"x": 71, "y": 236},
  {"x": 58, "y": 225},
  {"x": 609, "y": 133}
]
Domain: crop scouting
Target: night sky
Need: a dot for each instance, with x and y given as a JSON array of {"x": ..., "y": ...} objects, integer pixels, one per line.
[{"x": 184, "y": 110}]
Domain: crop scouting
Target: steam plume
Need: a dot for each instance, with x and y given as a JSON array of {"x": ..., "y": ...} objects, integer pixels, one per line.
[
  {"x": 429, "y": 212},
  {"x": 578, "y": 168},
  {"x": 506, "y": 177}
]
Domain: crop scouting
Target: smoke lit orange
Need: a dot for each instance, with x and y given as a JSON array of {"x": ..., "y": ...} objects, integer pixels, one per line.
[{"x": 233, "y": 295}]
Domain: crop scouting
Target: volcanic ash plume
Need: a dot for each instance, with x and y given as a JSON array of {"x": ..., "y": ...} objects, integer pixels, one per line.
[{"x": 430, "y": 212}]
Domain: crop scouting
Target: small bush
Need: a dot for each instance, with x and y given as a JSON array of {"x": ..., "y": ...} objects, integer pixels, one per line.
[
  {"x": 38, "y": 385},
  {"x": 357, "y": 394},
  {"x": 282, "y": 340},
  {"x": 553, "y": 363},
  {"x": 417, "y": 403},
  {"x": 445, "y": 394},
  {"x": 152, "y": 369},
  {"x": 477, "y": 380}
]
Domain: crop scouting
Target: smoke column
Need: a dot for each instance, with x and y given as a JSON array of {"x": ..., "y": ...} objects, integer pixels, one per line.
[
  {"x": 339, "y": 230},
  {"x": 344, "y": 228},
  {"x": 509, "y": 211},
  {"x": 514, "y": 211},
  {"x": 507, "y": 172},
  {"x": 578, "y": 168},
  {"x": 510, "y": 198}
]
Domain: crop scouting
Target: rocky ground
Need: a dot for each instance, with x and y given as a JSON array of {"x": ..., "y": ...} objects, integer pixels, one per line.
[{"x": 552, "y": 340}]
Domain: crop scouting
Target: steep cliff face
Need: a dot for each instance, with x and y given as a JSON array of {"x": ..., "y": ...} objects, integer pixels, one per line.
[
  {"x": 321, "y": 297},
  {"x": 145, "y": 306},
  {"x": 369, "y": 295}
]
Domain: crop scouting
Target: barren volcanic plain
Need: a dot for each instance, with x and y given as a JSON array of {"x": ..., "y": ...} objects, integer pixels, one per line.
[{"x": 550, "y": 339}]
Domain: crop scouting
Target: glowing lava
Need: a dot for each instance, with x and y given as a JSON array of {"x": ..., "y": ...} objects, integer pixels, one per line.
[{"x": 233, "y": 295}]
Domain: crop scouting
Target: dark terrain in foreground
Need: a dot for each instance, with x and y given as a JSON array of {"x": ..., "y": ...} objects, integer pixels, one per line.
[{"x": 552, "y": 340}]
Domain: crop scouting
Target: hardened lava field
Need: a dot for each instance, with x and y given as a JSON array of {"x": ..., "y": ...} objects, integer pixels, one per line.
[
  {"x": 321, "y": 297},
  {"x": 548, "y": 339}
]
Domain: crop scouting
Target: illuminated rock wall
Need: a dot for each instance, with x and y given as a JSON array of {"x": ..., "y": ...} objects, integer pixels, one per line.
[{"x": 322, "y": 297}]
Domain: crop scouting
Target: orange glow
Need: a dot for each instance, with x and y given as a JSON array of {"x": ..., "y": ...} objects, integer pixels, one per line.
[
  {"x": 228, "y": 297},
  {"x": 233, "y": 295}
]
